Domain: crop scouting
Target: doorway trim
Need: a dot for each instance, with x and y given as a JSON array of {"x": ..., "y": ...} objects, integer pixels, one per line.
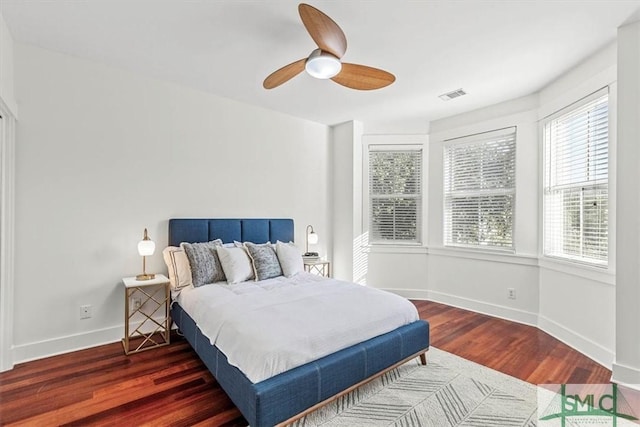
[{"x": 7, "y": 198}]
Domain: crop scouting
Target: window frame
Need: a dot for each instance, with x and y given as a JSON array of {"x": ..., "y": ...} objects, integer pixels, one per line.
[
  {"x": 477, "y": 139},
  {"x": 394, "y": 143},
  {"x": 567, "y": 109}
]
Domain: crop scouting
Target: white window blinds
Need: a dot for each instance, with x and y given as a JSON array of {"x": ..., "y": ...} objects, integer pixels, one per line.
[
  {"x": 576, "y": 177},
  {"x": 395, "y": 195},
  {"x": 479, "y": 190}
]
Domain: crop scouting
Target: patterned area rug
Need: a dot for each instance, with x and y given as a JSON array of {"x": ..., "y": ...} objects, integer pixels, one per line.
[{"x": 448, "y": 391}]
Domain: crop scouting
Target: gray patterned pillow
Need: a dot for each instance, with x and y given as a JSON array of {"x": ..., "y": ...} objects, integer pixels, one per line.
[
  {"x": 204, "y": 262},
  {"x": 264, "y": 259}
]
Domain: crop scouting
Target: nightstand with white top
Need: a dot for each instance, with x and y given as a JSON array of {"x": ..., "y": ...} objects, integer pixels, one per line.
[{"x": 146, "y": 305}]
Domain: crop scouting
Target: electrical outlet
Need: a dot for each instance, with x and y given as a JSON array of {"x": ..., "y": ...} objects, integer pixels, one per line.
[
  {"x": 511, "y": 293},
  {"x": 85, "y": 311},
  {"x": 137, "y": 302}
]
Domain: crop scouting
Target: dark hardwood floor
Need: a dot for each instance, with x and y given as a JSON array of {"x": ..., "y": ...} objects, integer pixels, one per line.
[
  {"x": 169, "y": 386},
  {"x": 521, "y": 351}
]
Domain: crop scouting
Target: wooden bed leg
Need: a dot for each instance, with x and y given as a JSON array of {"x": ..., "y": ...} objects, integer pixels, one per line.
[{"x": 423, "y": 358}]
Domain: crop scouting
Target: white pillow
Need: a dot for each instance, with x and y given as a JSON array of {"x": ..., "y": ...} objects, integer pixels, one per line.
[
  {"x": 290, "y": 258},
  {"x": 236, "y": 264},
  {"x": 178, "y": 265}
]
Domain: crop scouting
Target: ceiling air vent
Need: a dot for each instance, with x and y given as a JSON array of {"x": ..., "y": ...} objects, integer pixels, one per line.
[{"x": 450, "y": 95}]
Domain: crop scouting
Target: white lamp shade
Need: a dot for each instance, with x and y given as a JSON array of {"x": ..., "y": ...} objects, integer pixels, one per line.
[
  {"x": 146, "y": 247},
  {"x": 313, "y": 238}
]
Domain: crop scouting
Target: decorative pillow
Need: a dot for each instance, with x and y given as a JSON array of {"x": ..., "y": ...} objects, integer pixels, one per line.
[
  {"x": 204, "y": 262},
  {"x": 178, "y": 265},
  {"x": 236, "y": 264},
  {"x": 264, "y": 259},
  {"x": 241, "y": 245},
  {"x": 290, "y": 258}
]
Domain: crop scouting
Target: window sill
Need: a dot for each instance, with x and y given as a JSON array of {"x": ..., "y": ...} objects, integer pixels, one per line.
[
  {"x": 598, "y": 274},
  {"x": 395, "y": 249},
  {"x": 488, "y": 255}
]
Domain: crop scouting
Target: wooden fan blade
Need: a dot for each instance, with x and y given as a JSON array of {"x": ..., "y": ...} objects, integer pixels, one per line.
[
  {"x": 284, "y": 74},
  {"x": 323, "y": 30},
  {"x": 361, "y": 77}
]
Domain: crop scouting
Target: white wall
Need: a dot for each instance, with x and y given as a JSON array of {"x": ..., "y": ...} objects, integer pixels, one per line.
[
  {"x": 8, "y": 112},
  {"x": 6, "y": 68},
  {"x": 104, "y": 153},
  {"x": 346, "y": 176},
  {"x": 461, "y": 277},
  {"x": 577, "y": 304},
  {"x": 578, "y": 310},
  {"x": 396, "y": 268},
  {"x": 573, "y": 303},
  {"x": 479, "y": 280},
  {"x": 520, "y": 113},
  {"x": 627, "y": 363}
]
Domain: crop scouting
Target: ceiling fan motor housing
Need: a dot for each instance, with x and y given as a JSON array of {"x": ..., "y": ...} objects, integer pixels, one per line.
[{"x": 322, "y": 65}]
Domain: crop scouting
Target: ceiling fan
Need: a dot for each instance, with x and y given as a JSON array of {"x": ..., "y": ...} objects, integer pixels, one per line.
[{"x": 324, "y": 62}]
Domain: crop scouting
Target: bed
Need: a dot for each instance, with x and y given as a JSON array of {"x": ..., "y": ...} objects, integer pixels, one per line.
[{"x": 282, "y": 398}]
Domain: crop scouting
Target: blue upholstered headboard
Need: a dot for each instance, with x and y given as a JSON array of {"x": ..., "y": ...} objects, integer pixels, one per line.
[{"x": 243, "y": 230}]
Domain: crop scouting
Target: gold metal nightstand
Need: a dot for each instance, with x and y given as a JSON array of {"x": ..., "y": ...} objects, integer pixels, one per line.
[
  {"x": 150, "y": 300},
  {"x": 319, "y": 267}
]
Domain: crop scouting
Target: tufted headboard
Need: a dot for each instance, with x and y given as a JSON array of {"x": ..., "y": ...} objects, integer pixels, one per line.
[{"x": 243, "y": 230}]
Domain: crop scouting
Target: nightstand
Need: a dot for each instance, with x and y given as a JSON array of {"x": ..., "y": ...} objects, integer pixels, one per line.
[
  {"x": 319, "y": 267},
  {"x": 146, "y": 303}
]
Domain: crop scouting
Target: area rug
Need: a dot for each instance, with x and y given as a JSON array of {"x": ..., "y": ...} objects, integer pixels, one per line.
[{"x": 448, "y": 391}]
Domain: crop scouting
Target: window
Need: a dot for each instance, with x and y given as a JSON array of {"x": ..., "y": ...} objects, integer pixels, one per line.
[
  {"x": 395, "y": 194},
  {"x": 576, "y": 182},
  {"x": 479, "y": 190}
]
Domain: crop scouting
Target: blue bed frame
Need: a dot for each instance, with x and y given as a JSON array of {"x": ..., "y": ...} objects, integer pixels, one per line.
[{"x": 289, "y": 395}]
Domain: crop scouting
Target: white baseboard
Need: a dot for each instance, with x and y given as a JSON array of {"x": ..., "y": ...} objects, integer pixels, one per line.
[
  {"x": 626, "y": 375},
  {"x": 55, "y": 346},
  {"x": 495, "y": 310},
  {"x": 408, "y": 293},
  {"x": 52, "y": 347},
  {"x": 584, "y": 345},
  {"x": 621, "y": 374}
]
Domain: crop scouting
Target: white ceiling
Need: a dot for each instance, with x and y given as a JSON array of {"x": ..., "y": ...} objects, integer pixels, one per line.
[{"x": 495, "y": 50}]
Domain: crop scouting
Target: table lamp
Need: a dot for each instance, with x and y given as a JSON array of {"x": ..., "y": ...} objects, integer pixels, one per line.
[
  {"x": 311, "y": 237},
  {"x": 146, "y": 247}
]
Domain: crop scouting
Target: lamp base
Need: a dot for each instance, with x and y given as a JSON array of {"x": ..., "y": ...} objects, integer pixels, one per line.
[{"x": 145, "y": 276}]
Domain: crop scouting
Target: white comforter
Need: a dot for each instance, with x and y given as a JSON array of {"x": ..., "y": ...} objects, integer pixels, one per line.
[{"x": 268, "y": 327}]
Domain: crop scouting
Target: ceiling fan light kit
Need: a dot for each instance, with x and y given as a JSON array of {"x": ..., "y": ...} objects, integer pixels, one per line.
[
  {"x": 322, "y": 65},
  {"x": 324, "y": 62}
]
